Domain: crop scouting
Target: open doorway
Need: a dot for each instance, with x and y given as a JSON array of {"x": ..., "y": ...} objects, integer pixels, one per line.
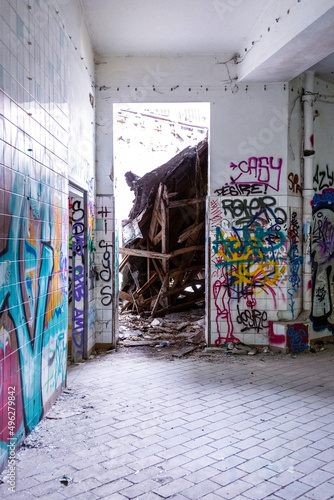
[{"x": 161, "y": 172}]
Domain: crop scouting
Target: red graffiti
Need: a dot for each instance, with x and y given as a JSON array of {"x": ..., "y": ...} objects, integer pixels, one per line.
[
  {"x": 273, "y": 338},
  {"x": 222, "y": 302}
]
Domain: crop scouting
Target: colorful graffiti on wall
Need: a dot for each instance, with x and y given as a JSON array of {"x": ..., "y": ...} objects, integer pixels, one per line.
[
  {"x": 295, "y": 263},
  {"x": 249, "y": 262},
  {"x": 322, "y": 255},
  {"x": 33, "y": 300}
]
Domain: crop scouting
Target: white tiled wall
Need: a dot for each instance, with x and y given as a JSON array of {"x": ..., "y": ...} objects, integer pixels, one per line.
[{"x": 38, "y": 119}]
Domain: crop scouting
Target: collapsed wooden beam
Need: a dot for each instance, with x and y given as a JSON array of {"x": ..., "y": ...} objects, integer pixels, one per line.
[
  {"x": 184, "y": 203},
  {"x": 144, "y": 253},
  {"x": 193, "y": 248}
]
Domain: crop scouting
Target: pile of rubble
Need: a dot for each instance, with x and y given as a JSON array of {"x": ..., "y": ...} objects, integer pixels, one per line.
[
  {"x": 163, "y": 239},
  {"x": 181, "y": 333}
]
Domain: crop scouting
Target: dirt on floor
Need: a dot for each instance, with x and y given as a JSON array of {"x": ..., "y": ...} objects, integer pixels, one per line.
[{"x": 181, "y": 334}]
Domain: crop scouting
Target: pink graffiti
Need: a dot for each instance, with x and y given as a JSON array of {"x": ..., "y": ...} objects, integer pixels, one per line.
[
  {"x": 273, "y": 338},
  {"x": 260, "y": 170},
  {"x": 223, "y": 298}
]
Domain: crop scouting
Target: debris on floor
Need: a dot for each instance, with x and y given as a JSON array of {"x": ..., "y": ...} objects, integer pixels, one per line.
[
  {"x": 180, "y": 333},
  {"x": 163, "y": 239},
  {"x": 240, "y": 348}
]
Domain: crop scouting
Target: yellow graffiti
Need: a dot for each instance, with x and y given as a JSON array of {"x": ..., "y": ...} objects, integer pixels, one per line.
[
  {"x": 256, "y": 272},
  {"x": 268, "y": 273}
]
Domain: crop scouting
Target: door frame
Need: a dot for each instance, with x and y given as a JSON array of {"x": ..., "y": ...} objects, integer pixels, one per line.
[{"x": 74, "y": 190}]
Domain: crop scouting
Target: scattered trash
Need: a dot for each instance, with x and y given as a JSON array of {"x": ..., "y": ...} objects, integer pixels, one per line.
[
  {"x": 156, "y": 322},
  {"x": 241, "y": 349},
  {"x": 175, "y": 329},
  {"x": 66, "y": 480}
]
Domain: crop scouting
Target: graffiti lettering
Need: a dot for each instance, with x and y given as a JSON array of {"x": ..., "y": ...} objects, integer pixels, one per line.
[
  {"x": 295, "y": 262},
  {"x": 79, "y": 283},
  {"x": 327, "y": 196},
  {"x": 255, "y": 248},
  {"x": 78, "y": 329},
  {"x": 260, "y": 209},
  {"x": 322, "y": 248},
  {"x": 106, "y": 296},
  {"x": 323, "y": 179},
  {"x": 252, "y": 319},
  {"x": 250, "y": 259},
  {"x": 260, "y": 170},
  {"x": 297, "y": 338},
  {"x": 104, "y": 212},
  {"x": 294, "y": 185},
  {"x": 105, "y": 273},
  {"x": 242, "y": 190}
]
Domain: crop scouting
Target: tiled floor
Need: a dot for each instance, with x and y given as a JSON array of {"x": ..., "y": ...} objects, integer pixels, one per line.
[{"x": 133, "y": 425}]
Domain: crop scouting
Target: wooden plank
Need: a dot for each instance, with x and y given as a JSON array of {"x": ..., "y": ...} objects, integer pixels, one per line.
[
  {"x": 125, "y": 296},
  {"x": 177, "y": 307},
  {"x": 158, "y": 270},
  {"x": 165, "y": 242},
  {"x": 176, "y": 272},
  {"x": 143, "y": 253},
  {"x": 181, "y": 288},
  {"x": 183, "y": 203},
  {"x": 141, "y": 290},
  {"x": 157, "y": 238},
  {"x": 163, "y": 287},
  {"x": 164, "y": 227},
  {"x": 181, "y": 251},
  {"x": 188, "y": 232},
  {"x": 185, "y": 350},
  {"x": 148, "y": 262},
  {"x": 154, "y": 220},
  {"x": 126, "y": 306},
  {"x": 125, "y": 260},
  {"x": 138, "y": 343}
]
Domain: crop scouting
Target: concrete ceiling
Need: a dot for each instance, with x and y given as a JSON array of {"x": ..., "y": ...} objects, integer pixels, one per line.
[
  {"x": 161, "y": 27},
  {"x": 212, "y": 27}
]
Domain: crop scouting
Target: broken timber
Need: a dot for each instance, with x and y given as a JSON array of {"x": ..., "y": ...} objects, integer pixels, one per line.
[{"x": 164, "y": 263}]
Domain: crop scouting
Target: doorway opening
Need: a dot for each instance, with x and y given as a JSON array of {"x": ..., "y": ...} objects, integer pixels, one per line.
[{"x": 161, "y": 172}]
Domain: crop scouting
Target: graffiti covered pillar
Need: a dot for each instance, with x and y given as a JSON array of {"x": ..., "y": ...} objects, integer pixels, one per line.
[{"x": 106, "y": 290}]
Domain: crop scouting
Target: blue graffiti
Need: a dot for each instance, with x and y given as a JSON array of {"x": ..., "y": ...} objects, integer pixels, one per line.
[
  {"x": 296, "y": 338},
  {"x": 295, "y": 262},
  {"x": 25, "y": 293}
]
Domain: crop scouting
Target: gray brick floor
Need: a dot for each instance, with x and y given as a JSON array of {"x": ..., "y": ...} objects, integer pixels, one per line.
[{"x": 141, "y": 425}]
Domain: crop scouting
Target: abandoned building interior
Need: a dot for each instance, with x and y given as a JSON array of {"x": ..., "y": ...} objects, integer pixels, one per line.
[{"x": 240, "y": 222}]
